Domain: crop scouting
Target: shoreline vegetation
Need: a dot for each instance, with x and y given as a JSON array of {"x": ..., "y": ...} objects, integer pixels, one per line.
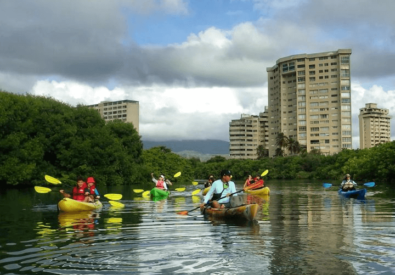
[{"x": 42, "y": 136}]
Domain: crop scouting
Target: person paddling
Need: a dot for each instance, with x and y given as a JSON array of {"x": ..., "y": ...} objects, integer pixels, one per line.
[
  {"x": 160, "y": 182},
  {"x": 91, "y": 192},
  {"x": 220, "y": 188},
  {"x": 209, "y": 182},
  {"x": 348, "y": 184},
  {"x": 248, "y": 181},
  {"x": 78, "y": 192}
]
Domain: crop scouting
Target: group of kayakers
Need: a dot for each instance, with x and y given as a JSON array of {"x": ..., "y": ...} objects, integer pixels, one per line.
[{"x": 83, "y": 191}]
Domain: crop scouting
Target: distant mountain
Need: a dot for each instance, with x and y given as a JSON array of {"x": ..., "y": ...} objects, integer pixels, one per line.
[{"x": 209, "y": 146}]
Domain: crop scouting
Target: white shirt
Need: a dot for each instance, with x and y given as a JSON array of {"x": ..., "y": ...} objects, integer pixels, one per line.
[{"x": 218, "y": 187}]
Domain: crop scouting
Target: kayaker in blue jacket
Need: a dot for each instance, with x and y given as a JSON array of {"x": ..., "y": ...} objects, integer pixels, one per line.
[
  {"x": 220, "y": 188},
  {"x": 348, "y": 184}
]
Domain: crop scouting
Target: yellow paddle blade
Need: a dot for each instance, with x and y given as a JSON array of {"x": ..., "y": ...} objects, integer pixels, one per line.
[
  {"x": 180, "y": 189},
  {"x": 114, "y": 197},
  {"x": 264, "y": 173},
  {"x": 138, "y": 190},
  {"x": 116, "y": 204},
  {"x": 197, "y": 191},
  {"x": 114, "y": 220},
  {"x": 177, "y": 175},
  {"x": 42, "y": 190},
  {"x": 195, "y": 183},
  {"x": 146, "y": 194},
  {"x": 52, "y": 180}
]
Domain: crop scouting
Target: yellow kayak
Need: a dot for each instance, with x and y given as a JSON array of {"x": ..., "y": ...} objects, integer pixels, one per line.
[
  {"x": 260, "y": 191},
  {"x": 70, "y": 205}
]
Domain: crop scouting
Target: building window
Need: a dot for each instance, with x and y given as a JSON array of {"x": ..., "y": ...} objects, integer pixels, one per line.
[
  {"x": 345, "y": 60},
  {"x": 311, "y": 59},
  {"x": 301, "y": 79},
  {"x": 311, "y": 66},
  {"x": 312, "y": 79},
  {"x": 301, "y": 73},
  {"x": 346, "y": 100}
]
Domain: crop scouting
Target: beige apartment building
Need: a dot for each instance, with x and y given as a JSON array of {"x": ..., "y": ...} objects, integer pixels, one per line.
[
  {"x": 374, "y": 126},
  {"x": 246, "y": 134},
  {"x": 125, "y": 110},
  {"x": 309, "y": 98}
]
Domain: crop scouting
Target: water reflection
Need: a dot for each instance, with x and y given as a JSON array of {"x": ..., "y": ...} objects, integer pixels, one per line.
[{"x": 299, "y": 229}]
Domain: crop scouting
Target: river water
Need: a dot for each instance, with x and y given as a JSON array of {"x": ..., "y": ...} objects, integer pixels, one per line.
[{"x": 301, "y": 228}]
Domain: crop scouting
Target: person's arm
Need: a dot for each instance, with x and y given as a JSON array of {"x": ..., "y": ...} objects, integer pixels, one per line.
[
  {"x": 165, "y": 185},
  {"x": 169, "y": 182},
  {"x": 66, "y": 195},
  {"x": 97, "y": 194}
]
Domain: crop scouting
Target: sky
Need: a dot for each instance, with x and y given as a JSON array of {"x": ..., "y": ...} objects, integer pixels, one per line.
[{"x": 193, "y": 65}]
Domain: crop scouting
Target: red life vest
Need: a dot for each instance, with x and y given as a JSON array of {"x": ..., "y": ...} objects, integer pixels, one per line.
[
  {"x": 249, "y": 182},
  {"x": 160, "y": 184},
  {"x": 79, "y": 192},
  {"x": 92, "y": 189}
]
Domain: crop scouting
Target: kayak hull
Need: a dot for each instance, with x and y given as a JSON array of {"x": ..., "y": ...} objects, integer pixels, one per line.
[
  {"x": 158, "y": 193},
  {"x": 243, "y": 212},
  {"x": 356, "y": 194},
  {"x": 259, "y": 192},
  {"x": 70, "y": 205}
]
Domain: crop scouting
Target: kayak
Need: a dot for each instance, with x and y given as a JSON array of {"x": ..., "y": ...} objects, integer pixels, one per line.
[
  {"x": 259, "y": 191},
  {"x": 156, "y": 192},
  {"x": 356, "y": 194},
  {"x": 70, "y": 205},
  {"x": 206, "y": 190},
  {"x": 245, "y": 212}
]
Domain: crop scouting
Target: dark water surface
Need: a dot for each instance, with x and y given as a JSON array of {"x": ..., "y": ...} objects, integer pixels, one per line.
[{"x": 300, "y": 229}]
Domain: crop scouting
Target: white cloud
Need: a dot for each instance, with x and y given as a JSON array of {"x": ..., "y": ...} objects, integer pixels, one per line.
[{"x": 169, "y": 112}]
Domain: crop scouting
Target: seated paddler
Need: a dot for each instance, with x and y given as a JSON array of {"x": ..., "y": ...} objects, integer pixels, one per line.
[
  {"x": 219, "y": 194},
  {"x": 78, "y": 192},
  {"x": 160, "y": 182},
  {"x": 348, "y": 184}
]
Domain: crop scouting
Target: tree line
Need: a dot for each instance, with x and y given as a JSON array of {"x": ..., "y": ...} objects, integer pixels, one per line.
[{"x": 42, "y": 136}]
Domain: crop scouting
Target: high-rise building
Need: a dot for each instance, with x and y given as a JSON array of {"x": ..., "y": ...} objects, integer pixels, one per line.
[
  {"x": 374, "y": 126},
  {"x": 247, "y": 134},
  {"x": 125, "y": 110},
  {"x": 309, "y": 98}
]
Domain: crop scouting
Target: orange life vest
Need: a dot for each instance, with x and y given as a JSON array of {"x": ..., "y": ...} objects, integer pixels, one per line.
[{"x": 79, "y": 192}]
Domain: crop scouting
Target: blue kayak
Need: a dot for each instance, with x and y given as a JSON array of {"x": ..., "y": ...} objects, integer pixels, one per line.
[{"x": 356, "y": 194}]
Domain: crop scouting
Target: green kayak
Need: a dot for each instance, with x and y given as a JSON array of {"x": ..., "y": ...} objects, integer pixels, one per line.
[{"x": 159, "y": 193}]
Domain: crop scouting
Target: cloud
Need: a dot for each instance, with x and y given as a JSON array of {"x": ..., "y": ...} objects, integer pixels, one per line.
[{"x": 168, "y": 112}]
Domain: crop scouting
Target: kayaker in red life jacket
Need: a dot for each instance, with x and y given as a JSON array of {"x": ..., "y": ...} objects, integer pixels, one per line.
[
  {"x": 78, "y": 190},
  {"x": 259, "y": 180},
  {"x": 91, "y": 192},
  {"x": 160, "y": 183},
  {"x": 248, "y": 181}
]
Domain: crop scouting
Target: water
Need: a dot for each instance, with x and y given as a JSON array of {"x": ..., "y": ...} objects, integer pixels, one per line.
[{"x": 300, "y": 229}]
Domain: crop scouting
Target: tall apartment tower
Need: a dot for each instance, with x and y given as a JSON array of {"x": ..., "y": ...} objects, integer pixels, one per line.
[
  {"x": 125, "y": 110},
  {"x": 246, "y": 134},
  {"x": 374, "y": 126},
  {"x": 310, "y": 101}
]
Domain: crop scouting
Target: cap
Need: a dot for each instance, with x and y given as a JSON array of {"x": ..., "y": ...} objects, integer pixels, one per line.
[
  {"x": 90, "y": 179},
  {"x": 163, "y": 177},
  {"x": 348, "y": 175},
  {"x": 225, "y": 173}
]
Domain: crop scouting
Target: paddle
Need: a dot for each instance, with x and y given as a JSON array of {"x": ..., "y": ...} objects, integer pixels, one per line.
[
  {"x": 195, "y": 183},
  {"x": 185, "y": 212},
  {"x": 42, "y": 190},
  {"x": 367, "y": 184},
  {"x": 197, "y": 191},
  {"x": 264, "y": 173},
  {"x": 181, "y": 189},
  {"x": 116, "y": 204},
  {"x": 52, "y": 180}
]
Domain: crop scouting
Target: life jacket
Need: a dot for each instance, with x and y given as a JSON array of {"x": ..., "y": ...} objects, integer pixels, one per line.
[
  {"x": 348, "y": 185},
  {"x": 160, "y": 184},
  {"x": 249, "y": 182},
  {"x": 79, "y": 192},
  {"x": 92, "y": 189}
]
